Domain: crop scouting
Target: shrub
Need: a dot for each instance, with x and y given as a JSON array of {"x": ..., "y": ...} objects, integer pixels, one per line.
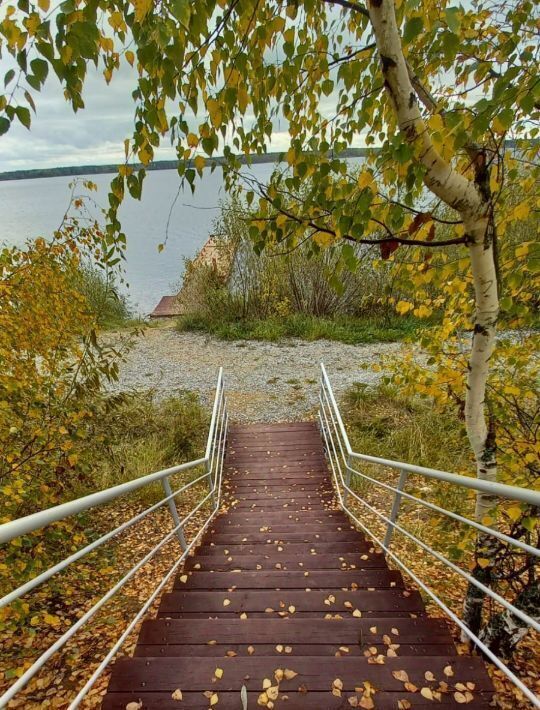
[
  {"x": 98, "y": 286},
  {"x": 304, "y": 281}
]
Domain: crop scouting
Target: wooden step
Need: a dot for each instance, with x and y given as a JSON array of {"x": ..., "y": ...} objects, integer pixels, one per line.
[
  {"x": 274, "y": 579},
  {"x": 289, "y": 701},
  {"x": 313, "y": 673},
  {"x": 290, "y": 602},
  {"x": 333, "y": 562}
]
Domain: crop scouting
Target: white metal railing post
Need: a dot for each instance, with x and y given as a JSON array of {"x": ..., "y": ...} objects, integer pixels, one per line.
[
  {"x": 212, "y": 434},
  {"x": 174, "y": 513},
  {"x": 395, "y": 507},
  {"x": 347, "y": 479}
]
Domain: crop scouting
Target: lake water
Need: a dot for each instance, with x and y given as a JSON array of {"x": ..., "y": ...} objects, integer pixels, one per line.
[{"x": 32, "y": 208}]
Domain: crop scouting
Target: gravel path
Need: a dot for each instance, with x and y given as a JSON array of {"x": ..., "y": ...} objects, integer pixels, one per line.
[{"x": 264, "y": 381}]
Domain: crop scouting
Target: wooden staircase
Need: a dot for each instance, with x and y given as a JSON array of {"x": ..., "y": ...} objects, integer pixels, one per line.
[{"x": 285, "y": 597}]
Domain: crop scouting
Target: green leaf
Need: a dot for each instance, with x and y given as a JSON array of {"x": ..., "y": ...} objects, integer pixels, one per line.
[
  {"x": 327, "y": 87},
  {"x": 413, "y": 27},
  {"x": 4, "y": 125},
  {"x": 181, "y": 11},
  {"x": 453, "y": 19},
  {"x": 23, "y": 114},
  {"x": 9, "y": 76},
  {"x": 40, "y": 69}
]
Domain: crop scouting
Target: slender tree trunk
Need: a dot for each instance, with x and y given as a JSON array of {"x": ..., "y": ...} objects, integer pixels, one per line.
[
  {"x": 481, "y": 435},
  {"x": 504, "y": 631},
  {"x": 470, "y": 198}
]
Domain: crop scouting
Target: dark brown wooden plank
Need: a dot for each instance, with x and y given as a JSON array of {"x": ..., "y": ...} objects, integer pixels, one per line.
[
  {"x": 281, "y": 529},
  {"x": 274, "y": 579},
  {"x": 314, "y": 673},
  {"x": 335, "y": 562},
  {"x": 291, "y": 601},
  {"x": 289, "y": 701},
  {"x": 284, "y": 537},
  {"x": 336, "y": 650},
  {"x": 351, "y": 632},
  {"x": 282, "y": 549}
]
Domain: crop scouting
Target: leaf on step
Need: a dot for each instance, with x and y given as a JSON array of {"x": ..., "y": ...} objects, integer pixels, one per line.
[
  {"x": 273, "y": 692},
  {"x": 401, "y": 676}
]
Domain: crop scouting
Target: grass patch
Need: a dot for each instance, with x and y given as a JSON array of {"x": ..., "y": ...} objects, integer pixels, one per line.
[
  {"x": 104, "y": 300},
  {"x": 137, "y": 435},
  {"x": 344, "y": 329},
  {"x": 384, "y": 423}
]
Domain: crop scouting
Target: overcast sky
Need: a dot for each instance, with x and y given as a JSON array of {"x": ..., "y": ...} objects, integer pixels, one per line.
[{"x": 94, "y": 135}]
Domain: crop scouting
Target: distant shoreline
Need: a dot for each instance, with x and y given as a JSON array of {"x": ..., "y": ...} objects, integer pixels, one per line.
[{"x": 77, "y": 170}]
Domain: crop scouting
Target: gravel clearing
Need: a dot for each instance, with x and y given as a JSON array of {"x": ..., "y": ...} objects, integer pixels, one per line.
[{"x": 264, "y": 381}]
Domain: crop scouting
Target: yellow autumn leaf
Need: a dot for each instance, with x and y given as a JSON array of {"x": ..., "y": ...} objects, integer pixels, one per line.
[
  {"x": 44, "y": 5},
  {"x": 142, "y": 8},
  {"x": 322, "y": 239},
  {"x": 145, "y": 154},
  {"x": 199, "y": 162},
  {"x": 422, "y": 311},
  {"x": 32, "y": 23},
  {"x": 521, "y": 211},
  {"x": 436, "y": 123},
  {"x": 497, "y": 125},
  {"x": 514, "y": 512},
  {"x": 365, "y": 179},
  {"x": 403, "y": 307},
  {"x": 116, "y": 21},
  {"x": 214, "y": 111},
  {"x": 130, "y": 57},
  {"x": 125, "y": 170},
  {"x": 242, "y": 98}
]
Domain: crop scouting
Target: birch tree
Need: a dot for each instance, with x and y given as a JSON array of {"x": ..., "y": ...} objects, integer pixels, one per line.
[{"x": 434, "y": 89}]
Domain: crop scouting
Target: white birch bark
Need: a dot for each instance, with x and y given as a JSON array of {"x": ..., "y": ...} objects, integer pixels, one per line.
[{"x": 467, "y": 198}]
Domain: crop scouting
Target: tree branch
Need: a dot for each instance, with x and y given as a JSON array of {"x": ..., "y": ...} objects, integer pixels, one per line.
[{"x": 349, "y": 5}]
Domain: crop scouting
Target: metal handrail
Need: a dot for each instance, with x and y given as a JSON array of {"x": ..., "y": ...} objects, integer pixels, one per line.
[
  {"x": 212, "y": 460},
  {"x": 340, "y": 455},
  {"x": 524, "y": 495}
]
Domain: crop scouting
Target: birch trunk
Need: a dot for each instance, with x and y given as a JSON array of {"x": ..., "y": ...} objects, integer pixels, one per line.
[
  {"x": 504, "y": 631},
  {"x": 470, "y": 198}
]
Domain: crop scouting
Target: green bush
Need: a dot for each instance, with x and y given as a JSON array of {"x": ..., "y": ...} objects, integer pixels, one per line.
[
  {"x": 281, "y": 283},
  {"x": 109, "y": 307},
  {"x": 135, "y": 435}
]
